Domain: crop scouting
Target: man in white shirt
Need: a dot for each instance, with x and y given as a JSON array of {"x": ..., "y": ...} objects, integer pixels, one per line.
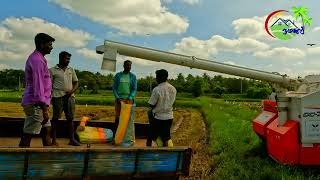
[
  {"x": 162, "y": 99},
  {"x": 64, "y": 85},
  {"x": 273, "y": 95}
]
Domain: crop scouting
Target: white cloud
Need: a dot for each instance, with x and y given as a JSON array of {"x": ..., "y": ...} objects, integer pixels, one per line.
[
  {"x": 134, "y": 16},
  {"x": 191, "y": 2},
  {"x": 207, "y": 48},
  {"x": 4, "y": 66},
  {"x": 4, "y": 34},
  {"x": 9, "y": 55},
  {"x": 298, "y": 63},
  {"x": 316, "y": 29},
  {"x": 241, "y": 45},
  {"x": 314, "y": 51},
  {"x": 194, "y": 47},
  {"x": 167, "y": 1},
  {"x": 251, "y": 27},
  {"x": 16, "y": 37},
  {"x": 89, "y": 54},
  {"x": 281, "y": 53},
  {"x": 26, "y": 28}
]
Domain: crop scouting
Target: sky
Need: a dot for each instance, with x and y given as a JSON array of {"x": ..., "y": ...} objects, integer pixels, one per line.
[{"x": 226, "y": 31}]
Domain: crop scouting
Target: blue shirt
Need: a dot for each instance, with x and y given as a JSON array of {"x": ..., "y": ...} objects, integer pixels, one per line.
[{"x": 133, "y": 85}]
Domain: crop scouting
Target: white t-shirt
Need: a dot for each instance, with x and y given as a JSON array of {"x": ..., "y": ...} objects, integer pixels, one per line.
[
  {"x": 62, "y": 80},
  {"x": 163, "y": 97}
]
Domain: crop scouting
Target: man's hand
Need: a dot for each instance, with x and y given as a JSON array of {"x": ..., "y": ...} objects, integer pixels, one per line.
[
  {"x": 45, "y": 117},
  {"x": 129, "y": 101},
  {"x": 45, "y": 112},
  {"x": 69, "y": 93}
]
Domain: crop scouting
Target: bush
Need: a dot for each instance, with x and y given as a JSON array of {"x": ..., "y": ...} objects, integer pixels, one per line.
[
  {"x": 197, "y": 89},
  {"x": 258, "y": 93},
  {"x": 219, "y": 90},
  {"x": 214, "y": 95}
]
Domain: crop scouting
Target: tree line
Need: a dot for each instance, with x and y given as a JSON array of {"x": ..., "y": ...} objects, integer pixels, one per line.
[{"x": 195, "y": 85}]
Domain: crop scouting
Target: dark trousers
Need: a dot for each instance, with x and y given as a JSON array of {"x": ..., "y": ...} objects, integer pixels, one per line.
[
  {"x": 151, "y": 136},
  {"x": 64, "y": 104},
  {"x": 162, "y": 128},
  {"x": 158, "y": 128}
]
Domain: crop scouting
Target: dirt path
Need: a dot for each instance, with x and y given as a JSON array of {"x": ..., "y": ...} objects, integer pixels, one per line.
[{"x": 192, "y": 132}]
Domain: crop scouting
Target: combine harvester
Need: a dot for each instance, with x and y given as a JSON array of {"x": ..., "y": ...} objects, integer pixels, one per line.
[{"x": 290, "y": 126}]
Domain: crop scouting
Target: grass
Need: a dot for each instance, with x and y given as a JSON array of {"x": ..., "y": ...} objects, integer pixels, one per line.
[
  {"x": 237, "y": 153},
  {"x": 106, "y": 98},
  {"x": 239, "y": 97}
]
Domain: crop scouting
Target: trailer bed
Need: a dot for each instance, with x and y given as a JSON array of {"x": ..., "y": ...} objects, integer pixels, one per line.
[
  {"x": 63, "y": 143},
  {"x": 97, "y": 162},
  {"x": 88, "y": 161}
]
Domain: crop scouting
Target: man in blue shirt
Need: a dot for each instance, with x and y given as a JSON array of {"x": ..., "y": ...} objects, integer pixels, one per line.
[{"x": 124, "y": 89}]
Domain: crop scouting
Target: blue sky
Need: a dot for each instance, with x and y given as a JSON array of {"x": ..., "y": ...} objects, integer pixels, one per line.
[{"x": 227, "y": 31}]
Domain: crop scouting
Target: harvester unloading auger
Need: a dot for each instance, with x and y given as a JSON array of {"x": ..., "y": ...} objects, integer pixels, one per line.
[{"x": 290, "y": 126}]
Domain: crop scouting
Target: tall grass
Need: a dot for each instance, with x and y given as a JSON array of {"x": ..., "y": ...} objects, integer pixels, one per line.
[{"x": 237, "y": 153}]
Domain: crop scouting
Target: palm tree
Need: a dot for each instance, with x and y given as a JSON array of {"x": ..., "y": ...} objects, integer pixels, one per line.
[
  {"x": 299, "y": 11},
  {"x": 303, "y": 13},
  {"x": 308, "y": 21}
]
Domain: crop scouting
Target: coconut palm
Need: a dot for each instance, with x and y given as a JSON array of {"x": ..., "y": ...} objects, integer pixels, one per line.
[
  {"x": 299, "y": 12},
  {"x": 303, "y": 13},
  {"x": 308, "y": 21}
]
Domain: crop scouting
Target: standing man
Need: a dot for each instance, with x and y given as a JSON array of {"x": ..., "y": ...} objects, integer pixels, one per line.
[
  {"x": 64, "y": 85},
  {"x": 124, "y": 89},
  {"x": 273, "y": 95},
  {"x": 161, "y": 101},
  {"x": 37, "y": 93}
]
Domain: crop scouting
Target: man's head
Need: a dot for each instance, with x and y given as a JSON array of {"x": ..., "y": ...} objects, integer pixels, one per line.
[
  {"x": 127, "y": 66},
  {"x": 161, "y": 76},
  {"x": 64, "y": 58},
  {"x": 43, "y": 43}
]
